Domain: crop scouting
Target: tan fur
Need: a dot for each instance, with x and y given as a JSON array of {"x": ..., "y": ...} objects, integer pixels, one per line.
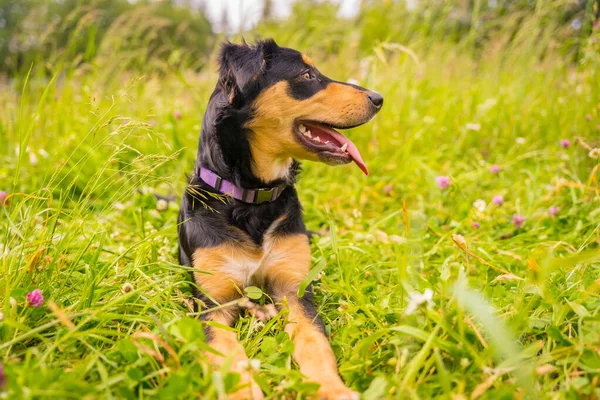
[
  {"x": 223, "y": 287},
  {"x": 314, "y": 356},
  {"x": 282, "y": 262},
  {"x": 212, "y": 278},
  {"x": 289, "y": 263},
  {"x": 307, "y": 60},
  {"x": 273, "y": 143},
  {"x": 312, "y": 351},
  {"x": 226, "y": 343}
]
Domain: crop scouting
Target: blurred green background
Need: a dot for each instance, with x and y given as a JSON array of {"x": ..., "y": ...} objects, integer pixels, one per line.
[{"x": 160, "y": 36}]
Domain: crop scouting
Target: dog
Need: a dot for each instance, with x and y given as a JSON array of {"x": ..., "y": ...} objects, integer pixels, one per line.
[{"x": 240, "y": 221}]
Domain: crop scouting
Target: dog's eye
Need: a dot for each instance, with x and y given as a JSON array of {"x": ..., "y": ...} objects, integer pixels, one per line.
[{"x": 306, "y": 75}]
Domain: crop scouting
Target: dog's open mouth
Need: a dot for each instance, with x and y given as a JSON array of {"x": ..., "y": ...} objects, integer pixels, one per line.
[{"x": 329, "y": 144}]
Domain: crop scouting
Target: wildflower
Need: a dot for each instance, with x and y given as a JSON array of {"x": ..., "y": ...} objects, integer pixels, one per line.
[
  {"x": 417, "y": 299},
  {"x": 518, "y": 220},
  {"x": 494, "y": 169},
  {"x": 588, "y": 117},
  {"x": 576, "y": 24},
  {"x": 43, "y": 153},
  {"x": 3, "y": 198},
  {"x": 177, "y": 114},
  {"x": 127, "y": 287},
  {"x": 473, "y": 127},
  {"x": 381, "y": 236},
  {"x": 397, "y": 239},
  {"x": 162, "y": 205},
  {"x": 520, "y": 140},
  {"x": 35, "y": 298},
  {"x": 152, "y": 122},
  {"x": 595, "y": 26},
  {"x": 443, "y": 181},
  {"x": 498, "y": 200},
  {"x": 553, "y": 211},
  {"x": 594, "y": 153},
  {"x": 33, "y": 158},
  {"x": 2, "y": 377},
  {"x": 475, "y": 225},
  {"x": 565, "y": 143},
  {"x": 479, "y": 205},
  {"x": 459, "y": 240},
  {"x": 252, "y": 365}
]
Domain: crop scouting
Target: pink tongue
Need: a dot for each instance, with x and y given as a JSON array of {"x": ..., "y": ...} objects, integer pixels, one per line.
[{"x": 351, "y": 149}]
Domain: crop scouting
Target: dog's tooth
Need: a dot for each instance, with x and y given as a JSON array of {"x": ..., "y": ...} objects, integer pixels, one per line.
[
  {"x": 344, "y": 147},
  {"x": 308, "y": 133},
  {"x": 301, "y": 128},
  {"x": 327, "y": 142},
  {"x": 317, "y": 139}
]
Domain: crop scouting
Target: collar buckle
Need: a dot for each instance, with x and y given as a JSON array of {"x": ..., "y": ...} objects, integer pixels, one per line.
[{"x": 264, "y": 195}]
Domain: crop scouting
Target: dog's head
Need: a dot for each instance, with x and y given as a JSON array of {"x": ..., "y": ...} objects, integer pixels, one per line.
[{"x": 293, "y": 108}]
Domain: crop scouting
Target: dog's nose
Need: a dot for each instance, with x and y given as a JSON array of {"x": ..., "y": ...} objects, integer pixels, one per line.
[{"x": 376, "y": 99}]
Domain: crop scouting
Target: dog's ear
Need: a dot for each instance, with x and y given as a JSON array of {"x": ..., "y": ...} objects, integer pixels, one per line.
[{"x": 239, "y": 64}]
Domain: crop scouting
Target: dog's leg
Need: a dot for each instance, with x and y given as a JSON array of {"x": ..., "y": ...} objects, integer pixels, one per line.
[
  {"x": 223, "y": 288},
  {"x": 312, "y": 351}
]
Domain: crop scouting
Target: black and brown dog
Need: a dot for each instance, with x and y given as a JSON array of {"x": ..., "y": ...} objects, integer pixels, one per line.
[{"x": 271, "y": 107}]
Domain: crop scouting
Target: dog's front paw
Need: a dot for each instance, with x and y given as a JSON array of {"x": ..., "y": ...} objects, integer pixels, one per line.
[
  {"x": 253, "y": 392},
  {"x": 337, "y": 392}
]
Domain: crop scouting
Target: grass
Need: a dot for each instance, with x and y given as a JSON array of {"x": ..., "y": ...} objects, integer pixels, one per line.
[{"x": 514, "y": 313}]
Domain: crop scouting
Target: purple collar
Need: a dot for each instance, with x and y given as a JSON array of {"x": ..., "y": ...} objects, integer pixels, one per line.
[{"x": 252, "y": 196}]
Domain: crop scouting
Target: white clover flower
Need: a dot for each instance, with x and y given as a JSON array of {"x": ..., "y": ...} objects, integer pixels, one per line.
[
  {"x": 480, "y": 205},
  {"x": 520, "y": 140},
  {"x": 127, "y": 287},
  {"x": 254, "y": 364},
  {"x": 472, "y": 126},
  {"x": 398, "y": 239},
  {"x": 33, "y": 160},
  {"x": 248, "y": 365},
  {"x": 162, "y": 205},
  {"x": 416, "y": 300}
]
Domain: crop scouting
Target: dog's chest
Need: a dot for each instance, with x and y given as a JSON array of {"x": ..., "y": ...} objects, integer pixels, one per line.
[{"x": 249, "y": 267}]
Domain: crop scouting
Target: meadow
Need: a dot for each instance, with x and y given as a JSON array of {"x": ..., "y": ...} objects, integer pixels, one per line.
[{"x": 466, "y": 265}]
